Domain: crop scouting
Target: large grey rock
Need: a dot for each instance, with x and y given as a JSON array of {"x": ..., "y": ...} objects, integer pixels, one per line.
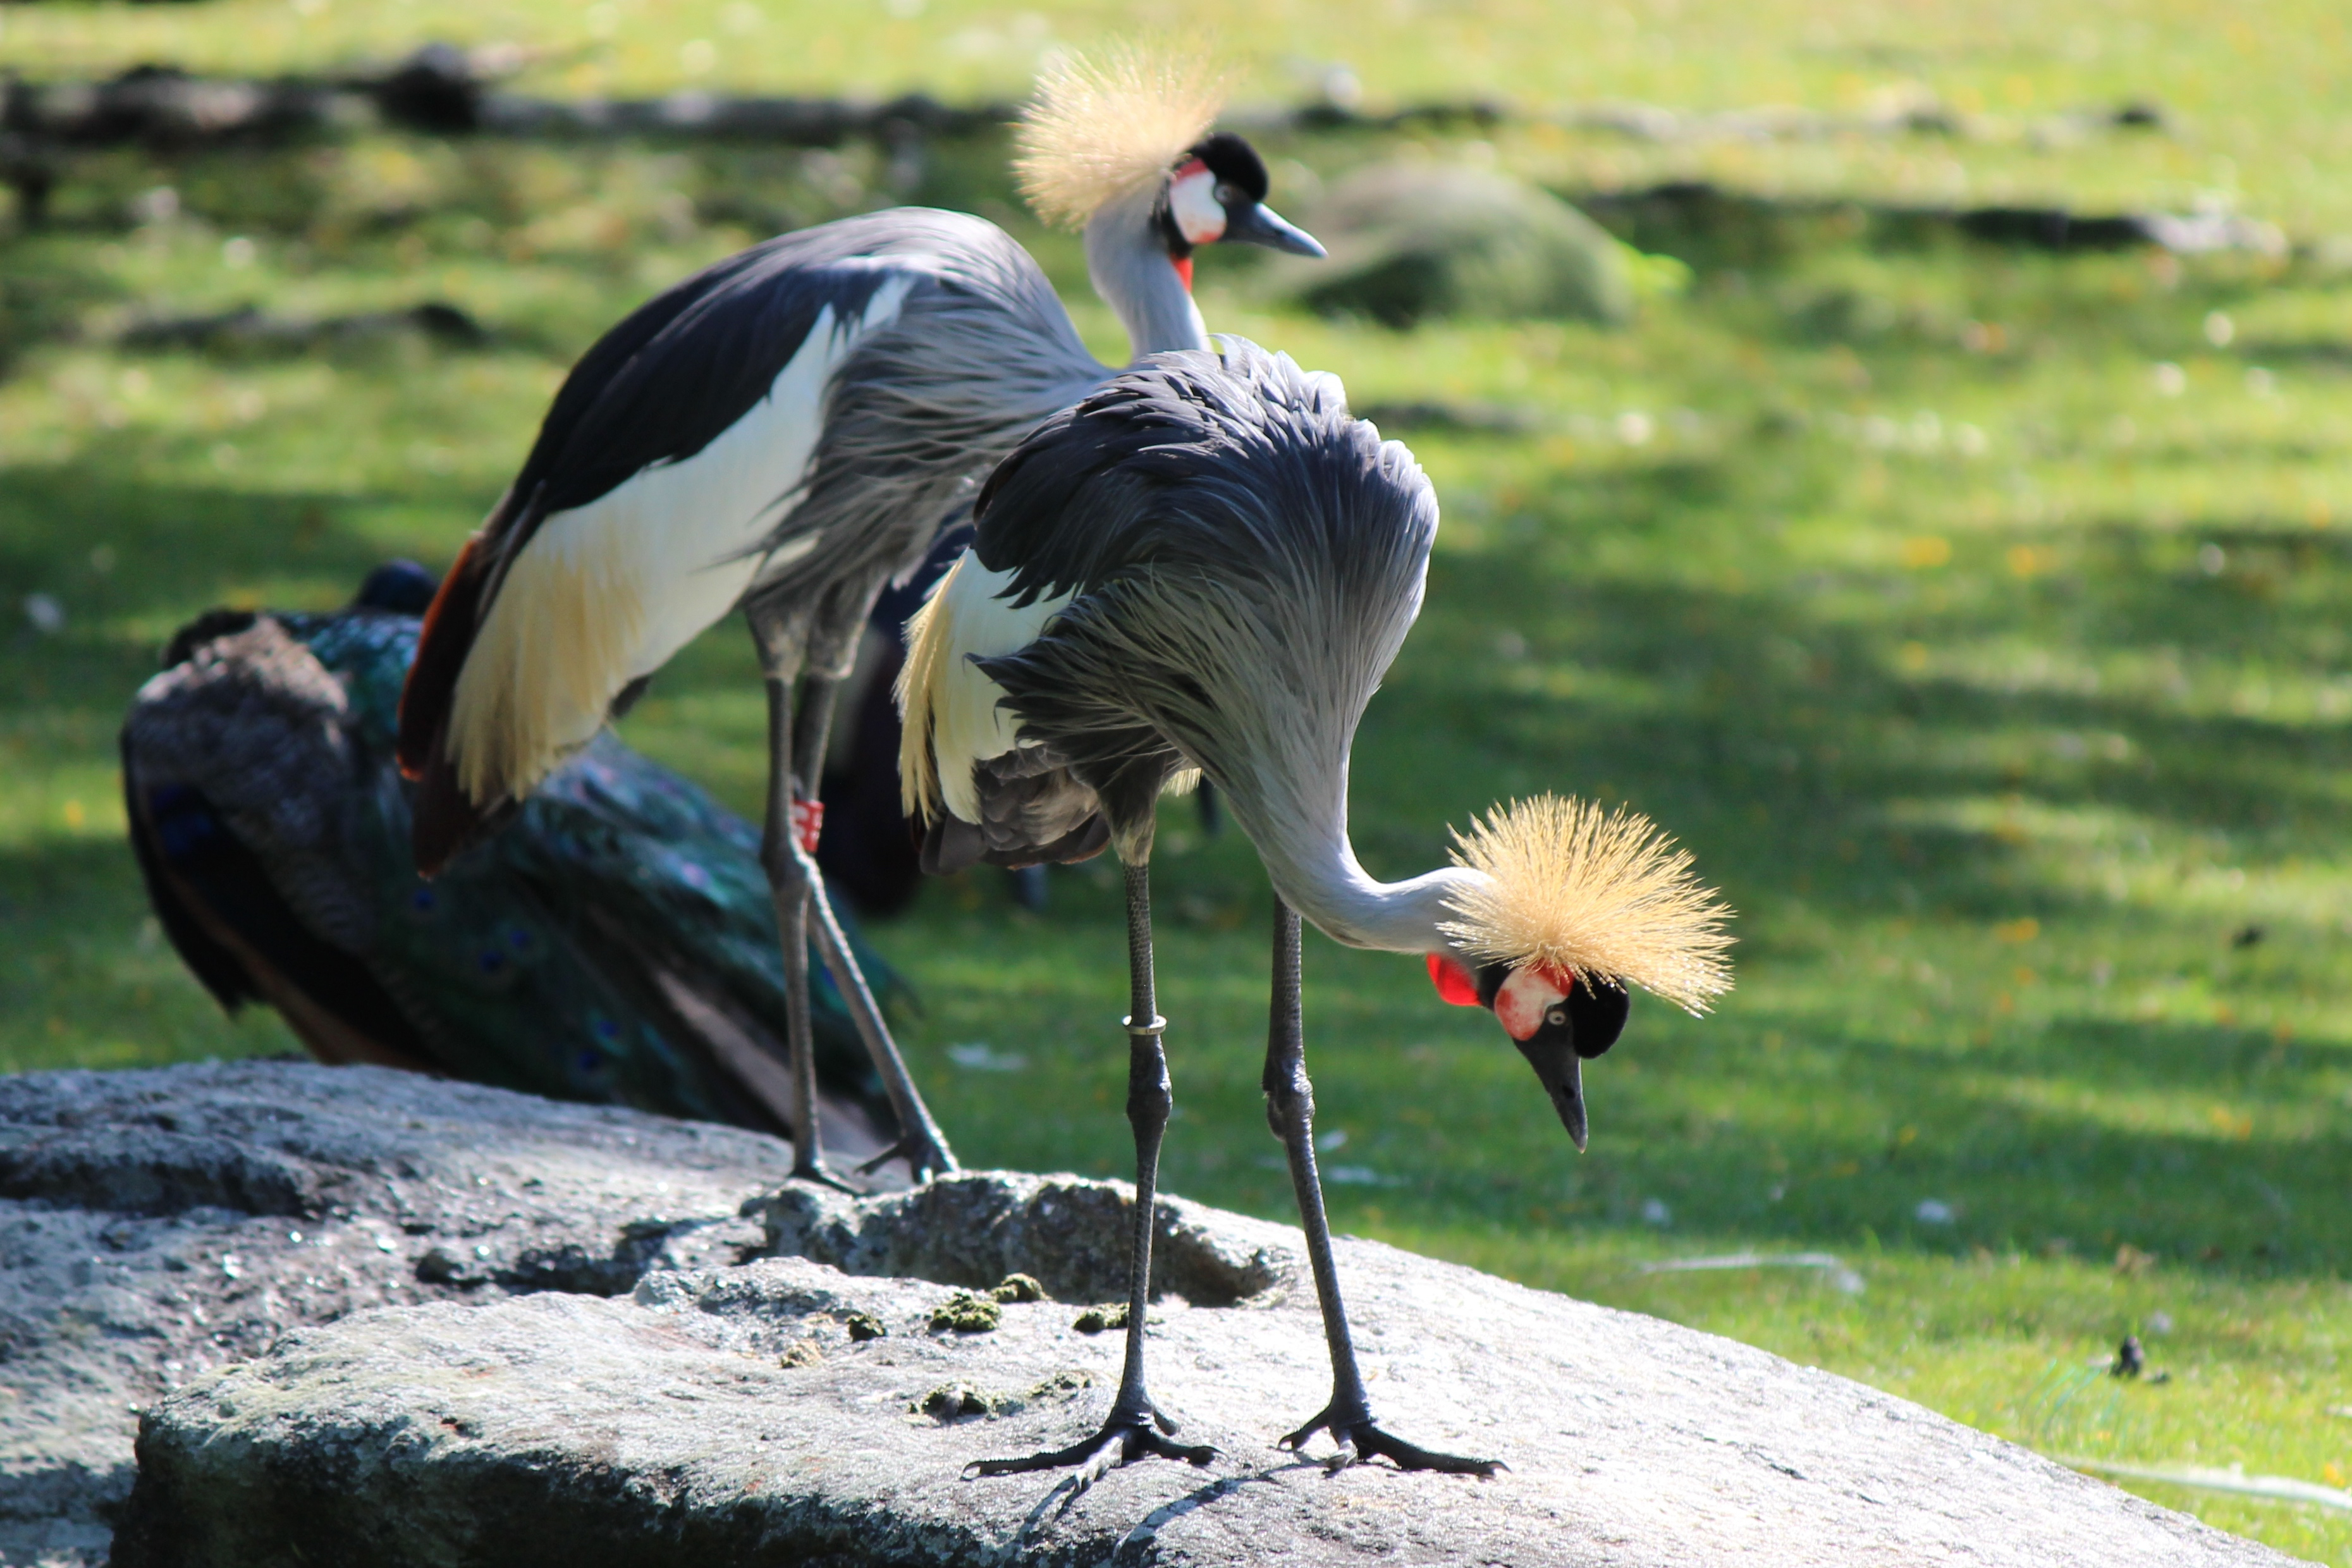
[
  {"x": 157, "y": 1224},
  {"x": 1410, "y": 242},
  {"x": 489, "y": 1329},
  {"x": 727, "y": 1415}
]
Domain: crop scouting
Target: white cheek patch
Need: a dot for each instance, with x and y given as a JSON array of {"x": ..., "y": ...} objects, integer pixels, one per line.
[
  {"x": 1523, "y": 999},
  {"x": 1193, "y": 201}
]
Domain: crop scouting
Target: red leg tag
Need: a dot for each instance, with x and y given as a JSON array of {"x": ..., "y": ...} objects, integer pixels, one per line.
[{"x": 808, "y": 821}]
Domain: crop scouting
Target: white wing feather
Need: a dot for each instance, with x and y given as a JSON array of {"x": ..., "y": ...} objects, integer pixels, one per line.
[
  {"x": 606, "y": 593},
  {"x": 968, "y": 720}
]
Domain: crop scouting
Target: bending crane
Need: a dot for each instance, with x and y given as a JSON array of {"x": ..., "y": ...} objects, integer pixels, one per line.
[{"x": 1202, "y": 570}]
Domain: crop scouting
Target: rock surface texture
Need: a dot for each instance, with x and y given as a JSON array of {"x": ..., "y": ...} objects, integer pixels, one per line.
[
  {"x": 156, "y": 1225},
  {"x": 815, "y": 1407}
]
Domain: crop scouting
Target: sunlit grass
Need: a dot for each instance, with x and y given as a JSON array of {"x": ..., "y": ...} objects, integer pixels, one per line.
[
  {"x": 2002, "y": 724},
  {"x": 2255, "y": 112}
]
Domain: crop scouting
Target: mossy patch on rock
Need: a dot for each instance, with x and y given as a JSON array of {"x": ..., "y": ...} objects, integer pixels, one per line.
[
  {"x": 1097, "y": 1320},
  {"x": 862, "y": 1326},
  {"x": 1019, "y": 1288},
  {"x": 802, "y": 1352},
  {"x": 1062, "y": 1385},
  {"x": 955, "y": 1401},
  {"x": 966, "y": 1313},
  {"x": 960, "y": 1400}
]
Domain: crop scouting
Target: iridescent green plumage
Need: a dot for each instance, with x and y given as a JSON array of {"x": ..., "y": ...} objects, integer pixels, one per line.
[{"x": 617, "y": 942}]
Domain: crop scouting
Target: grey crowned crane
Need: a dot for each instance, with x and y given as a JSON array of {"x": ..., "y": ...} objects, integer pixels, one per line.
[
  {"x": 786, "y": 431},
  {"x": 1204, "y": 569},
  {"x": 616, "y": 943}
]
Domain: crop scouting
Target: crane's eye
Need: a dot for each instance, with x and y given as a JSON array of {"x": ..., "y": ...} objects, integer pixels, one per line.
[
  {"x": 1556, "y": 1017},
  {"x": 1226, "y": 194}
]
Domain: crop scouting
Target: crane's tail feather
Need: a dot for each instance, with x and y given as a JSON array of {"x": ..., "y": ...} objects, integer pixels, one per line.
[
  {"x": 1602, "y": 893},
  {"x": 441, "y": 648},
  {"x": 517, "y": 667},
  {"x": 929, "y": 637},
  {"x": 446, "y": 819}
]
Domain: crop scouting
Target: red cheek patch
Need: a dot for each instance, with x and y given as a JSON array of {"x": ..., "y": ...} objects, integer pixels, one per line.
[
  {"x": 1455, "y": 984},
  {"x": 1528, "y": 995}
]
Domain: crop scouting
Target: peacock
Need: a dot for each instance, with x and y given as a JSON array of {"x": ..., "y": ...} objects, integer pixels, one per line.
[{"x": 617, "y": 945}]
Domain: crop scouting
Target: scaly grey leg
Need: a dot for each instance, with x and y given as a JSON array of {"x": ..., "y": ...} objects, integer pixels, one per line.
[
  {"x": 1290, "y": 1111},
  {"x": 832, "y": 649},
  {"x": 1135, "y": 1428},
  {"x": 782, "y": 639}
]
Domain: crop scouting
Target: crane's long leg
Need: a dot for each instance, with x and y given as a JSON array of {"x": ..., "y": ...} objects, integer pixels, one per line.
[
  {"x": 921, "y": 1142},
  {"x": 789, "y": 876},
  {"x": 1290, "y": 1111},
  {"x": 1135, "y": 1428}
]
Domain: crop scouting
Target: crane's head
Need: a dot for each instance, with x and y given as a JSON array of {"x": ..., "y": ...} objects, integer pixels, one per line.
[
  {"x": 1132, "y": 125},
  {"x": 1559, "y": 1019},
  {"x": 1217, "y": 192},
  {"x": 1565, "y": 905}
]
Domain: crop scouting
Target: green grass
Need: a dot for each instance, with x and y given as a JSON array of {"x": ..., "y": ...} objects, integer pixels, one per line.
[
  {"x": 2000, "y": 675},
  {"x": 2259, "y": 116}
]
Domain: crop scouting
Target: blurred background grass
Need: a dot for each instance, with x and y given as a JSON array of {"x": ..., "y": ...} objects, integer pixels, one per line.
[{"x": 1976, "y": 613}]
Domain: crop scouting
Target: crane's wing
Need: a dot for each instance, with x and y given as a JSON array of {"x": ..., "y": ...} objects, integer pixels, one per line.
[
  {"x": 1242, "y": 560},
  {"x": 1156, "y": 470},
  {"x": 1159, "y": 466},
  {"x": 653, "y": 497}
]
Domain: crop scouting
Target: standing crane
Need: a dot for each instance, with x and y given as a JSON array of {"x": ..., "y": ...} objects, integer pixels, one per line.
[
  {"x": 786, "y": 431},
  {"x": 1202, "y": 570},
  {"x": 617, "y": 945}
]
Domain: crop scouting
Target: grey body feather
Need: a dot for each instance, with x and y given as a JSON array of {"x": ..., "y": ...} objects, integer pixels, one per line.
[
  {"x": 1034, "y": 809},
  {"x": 980, "y": 351},
  {"x": 1246, "y": 560}
]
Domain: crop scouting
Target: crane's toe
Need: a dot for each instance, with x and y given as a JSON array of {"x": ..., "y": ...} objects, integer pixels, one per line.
[
  {"x": 1361, "y": 1439},
  {"x": 1122, "y": 1441},
  {"x": 816, "y": 1171},
  {"x": 925, "y": 1159}
]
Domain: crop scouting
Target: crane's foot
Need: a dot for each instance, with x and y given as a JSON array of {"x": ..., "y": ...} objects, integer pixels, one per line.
[
  {"x": 925, "y": 1159},
  {"x": 815, "y": 1171},
  {"x": 1122, "y": 1440},
  {"x": 1361, "y": 1439}
]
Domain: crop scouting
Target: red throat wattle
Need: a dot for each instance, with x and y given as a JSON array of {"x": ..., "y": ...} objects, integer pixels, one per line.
[
  {"x": 1455, "y": 984},
  {"x": 1184, "y": 266}
]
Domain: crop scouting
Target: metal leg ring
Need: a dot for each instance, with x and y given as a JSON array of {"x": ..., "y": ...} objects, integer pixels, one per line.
[{"x": 1159, "y": 1026}]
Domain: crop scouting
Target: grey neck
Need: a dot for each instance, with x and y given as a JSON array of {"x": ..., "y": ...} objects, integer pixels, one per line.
[
  {"x": 1315, "y": 870},
  {"x": 1128, "y": 260}
]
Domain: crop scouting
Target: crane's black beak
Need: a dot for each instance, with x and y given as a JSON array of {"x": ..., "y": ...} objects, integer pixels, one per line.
[
  {"x": 1257, "y": 224},
  {"x": 1561, "y": 1072}
]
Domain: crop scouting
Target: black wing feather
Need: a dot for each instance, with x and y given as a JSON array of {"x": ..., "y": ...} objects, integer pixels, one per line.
[
  {"x": 1163, "y": 465},
  {"x": 683, "y": 368}
]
